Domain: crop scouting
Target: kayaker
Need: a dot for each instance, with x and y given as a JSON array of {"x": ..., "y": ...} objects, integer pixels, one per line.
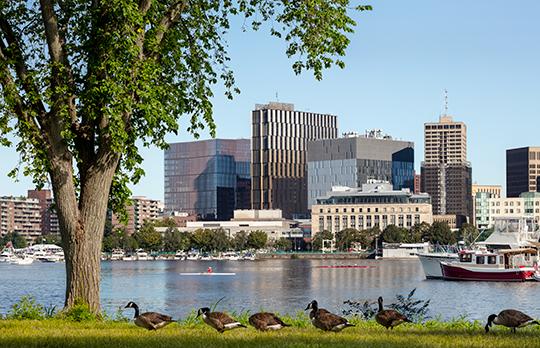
[{"x": 209, "y": 270}]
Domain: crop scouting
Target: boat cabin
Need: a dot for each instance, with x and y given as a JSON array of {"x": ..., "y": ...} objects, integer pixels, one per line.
[{"x": 504, "y": 258}]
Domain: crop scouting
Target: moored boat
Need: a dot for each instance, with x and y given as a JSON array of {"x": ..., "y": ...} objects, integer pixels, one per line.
[{"x": 508, "y": 265}]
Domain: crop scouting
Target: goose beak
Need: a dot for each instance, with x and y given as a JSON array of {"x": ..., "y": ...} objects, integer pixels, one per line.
[{"x": 307, "y": 307}]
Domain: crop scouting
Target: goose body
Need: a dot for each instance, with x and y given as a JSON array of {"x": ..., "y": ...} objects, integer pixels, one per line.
[
  {"x": 149, "y": 320},
  {"x": 264, "y": 321},
  {"x": 510, "y": 318},
  {"x": 218, "y": 320},
  {"x": 325, "y": 320},
  {"x": 389, "y": 318}
]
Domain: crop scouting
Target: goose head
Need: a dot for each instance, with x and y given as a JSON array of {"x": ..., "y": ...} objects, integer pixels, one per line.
[
  {"x": 490, "y": 321},
  {"x": 131, "y": 304},
  {"x": 312, "y": 305},
  {"x": 380, "y": 301},
  {"x": 203, "y": 311}
]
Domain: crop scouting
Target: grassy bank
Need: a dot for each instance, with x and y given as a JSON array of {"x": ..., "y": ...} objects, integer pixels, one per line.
[{"x": 59, "y": 333}]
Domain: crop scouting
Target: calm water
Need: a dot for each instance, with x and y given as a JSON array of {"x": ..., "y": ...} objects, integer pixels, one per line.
[{"x": 279, "y": 285}]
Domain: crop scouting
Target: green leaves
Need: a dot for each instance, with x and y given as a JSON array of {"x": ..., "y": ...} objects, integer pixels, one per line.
[{"x": 128, "y": 71}]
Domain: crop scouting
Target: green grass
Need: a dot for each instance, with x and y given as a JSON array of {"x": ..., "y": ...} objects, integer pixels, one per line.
[{"x": 61, "y": 333}]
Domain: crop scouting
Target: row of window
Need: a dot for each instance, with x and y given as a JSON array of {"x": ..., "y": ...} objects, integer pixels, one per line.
[{"x": 336, "y": 223}]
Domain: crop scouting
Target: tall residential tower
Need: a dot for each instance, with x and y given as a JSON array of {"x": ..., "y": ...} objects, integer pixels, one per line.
[
  {"x": 279, "y": 155},
  {"x": 446, "y": 174}
]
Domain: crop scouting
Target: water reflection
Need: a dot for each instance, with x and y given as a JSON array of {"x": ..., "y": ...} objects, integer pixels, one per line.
[{"x": 279, "y": 285}]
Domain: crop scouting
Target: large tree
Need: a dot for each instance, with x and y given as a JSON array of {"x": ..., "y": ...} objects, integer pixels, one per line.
[{"x": 85, "y": 83}]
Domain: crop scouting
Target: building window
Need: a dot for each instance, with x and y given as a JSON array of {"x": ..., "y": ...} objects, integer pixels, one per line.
[
  {"x": 353, "y": 221},
  {"x": 336, "y": 224}
]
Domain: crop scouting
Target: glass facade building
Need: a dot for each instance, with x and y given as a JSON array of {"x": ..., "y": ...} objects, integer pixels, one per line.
[
  {"x": 208, "y": 178},
  {"x": 353, "y": 160},
  {"x": 522, "y": 171}
]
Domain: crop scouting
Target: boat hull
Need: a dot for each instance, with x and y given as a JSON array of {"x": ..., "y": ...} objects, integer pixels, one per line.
[
  {"x": 431, "y": 263},
  {"x": 458, "y": 272}
]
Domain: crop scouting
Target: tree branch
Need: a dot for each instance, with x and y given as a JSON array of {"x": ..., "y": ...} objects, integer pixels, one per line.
[
  {"x": 144, "y": 6},
  {"x": 169, "y": 19},
  {"x": 14, "y": 97},
  {"x": 15, "y": 56},
  {"x": 51, "y": 31},
  {"x": 55, "y": 43}
]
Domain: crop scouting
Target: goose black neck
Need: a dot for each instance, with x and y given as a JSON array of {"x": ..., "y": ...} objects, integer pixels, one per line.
[
  {"x": 380, "y": 304},
  {"x": 136, "y": 310}
]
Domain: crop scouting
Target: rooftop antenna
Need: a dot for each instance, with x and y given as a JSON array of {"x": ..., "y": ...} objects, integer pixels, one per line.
[
  {"x": 445, "y": 102},
  {"x": 277, "y": 97}
]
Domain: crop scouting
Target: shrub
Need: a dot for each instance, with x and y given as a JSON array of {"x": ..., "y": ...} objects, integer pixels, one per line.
[
  {"x": 26, "y": 309},
  {"x": 80, "y": 311},
  {"x": 415, "y": 310}
]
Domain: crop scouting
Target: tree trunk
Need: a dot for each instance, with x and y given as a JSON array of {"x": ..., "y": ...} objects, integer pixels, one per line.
[{"x": 81, "y": 225}]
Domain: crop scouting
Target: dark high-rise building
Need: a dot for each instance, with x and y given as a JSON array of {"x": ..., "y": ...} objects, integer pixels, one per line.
[
  {"x": 522, "y": 171},
  {"x": 445, "y": 174},
  {"x": 279, "y": 155},
  {"x": 352, "y": 160},
  {"x": 208, "y": 178}
]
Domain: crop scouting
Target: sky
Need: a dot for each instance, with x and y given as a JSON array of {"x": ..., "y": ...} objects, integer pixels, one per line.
[{"x": 401, "y": 58}]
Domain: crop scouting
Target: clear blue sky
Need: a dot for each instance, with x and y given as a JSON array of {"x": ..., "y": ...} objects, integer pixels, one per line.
[{"x": 401, "y": 58}]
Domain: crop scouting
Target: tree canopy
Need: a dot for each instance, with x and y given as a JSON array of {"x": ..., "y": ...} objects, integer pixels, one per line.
[{"x": 84, "y": 84}]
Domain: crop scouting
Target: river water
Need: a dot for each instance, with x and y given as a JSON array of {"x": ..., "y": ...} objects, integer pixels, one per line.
[{"x": 285, "y": 286}]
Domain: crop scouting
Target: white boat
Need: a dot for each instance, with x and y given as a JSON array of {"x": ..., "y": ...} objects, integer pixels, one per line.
[
  {"x": 128, "y": 258},
  {"x": 193, "y": 257},
  {"x": 141, "y": 255},
  {"x": 431, "y": 263},
  {"x": 180, "y": 255},
  {"x": 24, "y": 260},
  {"x": 230, "y": 256},
  {"x": 7, "y": 255},
  {"x": 52, "y": 258},
  {"x": 117, "y": 254},
  {"x": 205, "y": 257}
]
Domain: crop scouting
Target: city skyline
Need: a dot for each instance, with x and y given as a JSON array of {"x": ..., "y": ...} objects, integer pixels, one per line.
[{"x": 395, "y": 76}]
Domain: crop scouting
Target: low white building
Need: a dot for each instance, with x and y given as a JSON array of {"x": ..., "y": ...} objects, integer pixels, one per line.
[
  {"x": 269, "y": 221},
  {"x": 404, "y": 250}
]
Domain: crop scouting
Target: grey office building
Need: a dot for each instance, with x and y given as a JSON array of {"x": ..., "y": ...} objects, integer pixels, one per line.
[
  {"x": 279, "y": 171},
  {"x": 209, "y": 178},
  {"x": 352, "y": 160}
]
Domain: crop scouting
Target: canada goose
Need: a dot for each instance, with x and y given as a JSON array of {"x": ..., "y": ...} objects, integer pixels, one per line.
[
  {"x": 324, "y": 320},
  {"x": 389, "y": 318},
  {"x": 510, "y": 318},
  {"x": 266, "y": 321},
  {"x": 149, "y": 320},
  {"x": 219, "y": 321}
]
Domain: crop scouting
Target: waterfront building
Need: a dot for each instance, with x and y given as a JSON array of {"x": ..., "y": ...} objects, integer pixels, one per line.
[
  {"x": 354, "y": 159},
  {"x": 446, "y": 174},
  {"x": 138, "y": 211},
  {"x": 208, "y": 178},
  {"x": 522, "y": 170},
  {"x": 269, "y": 221},
  {"x": 526, "y": 205},
  {"x": 21, "y": 215},
  {"x": 376, "y": 204},
  {"x": 480, "y": 195},
  {"x": 279, "y": 155},
  {"x": 49, "y": 218}
]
